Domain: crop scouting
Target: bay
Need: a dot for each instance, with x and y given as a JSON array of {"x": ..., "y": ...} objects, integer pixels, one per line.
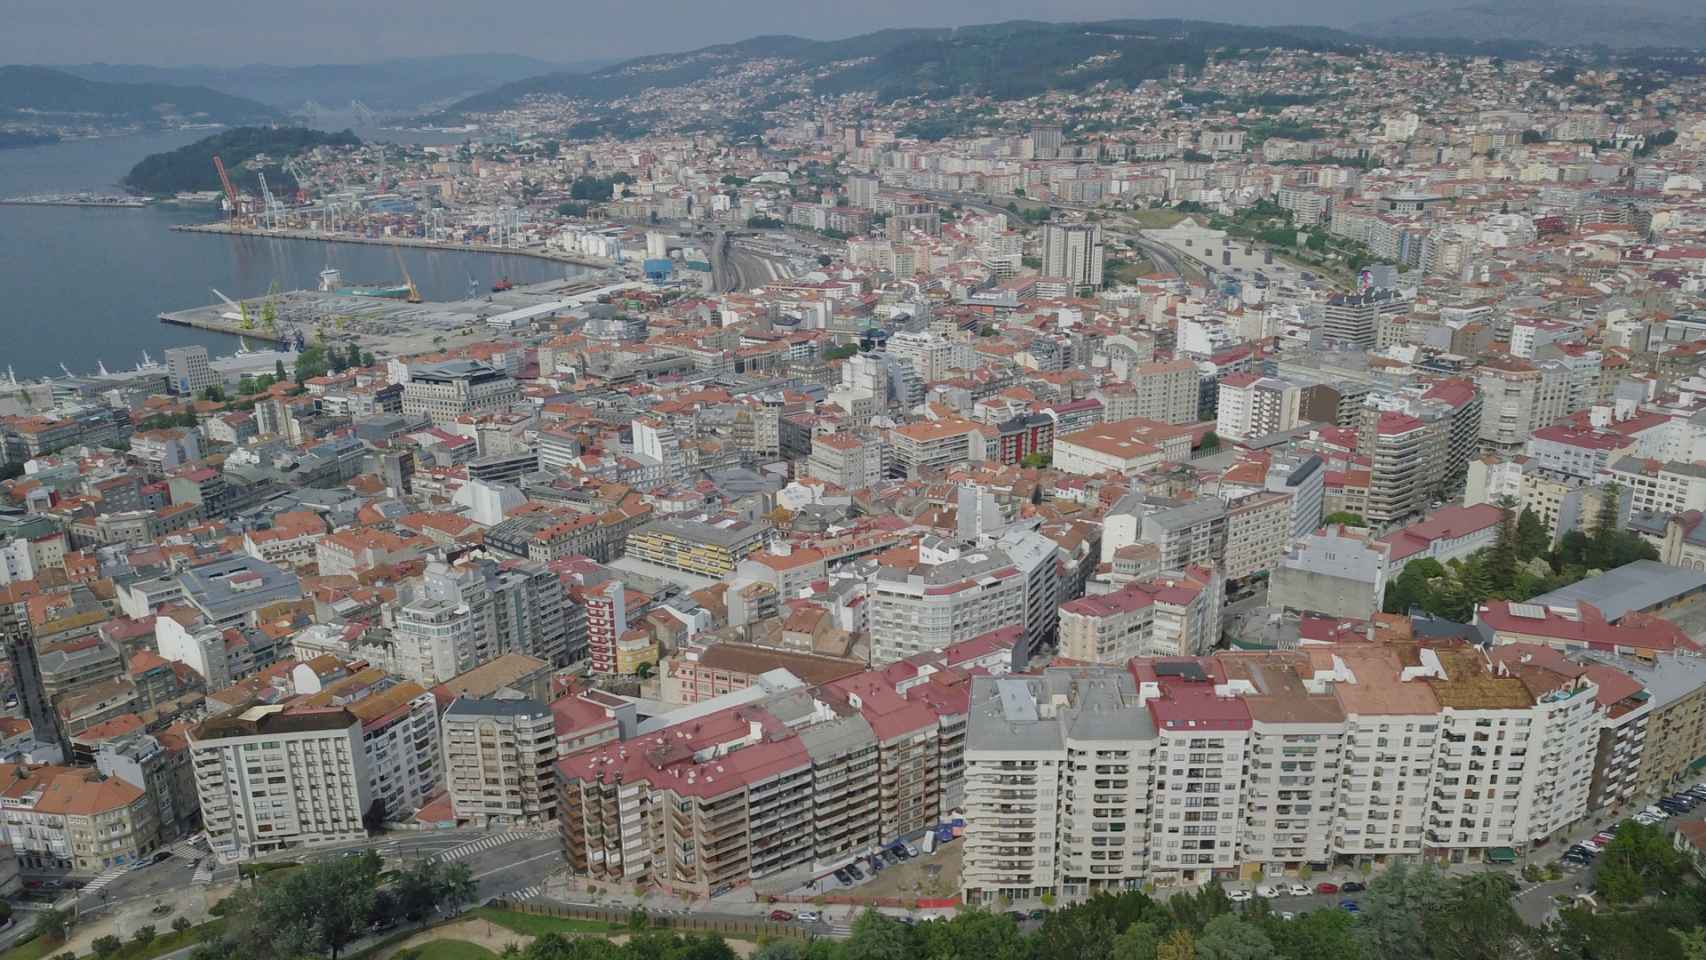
[{"x": 81, "y": 286}]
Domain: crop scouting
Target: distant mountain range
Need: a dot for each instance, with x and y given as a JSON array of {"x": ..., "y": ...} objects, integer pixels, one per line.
[
  {"x": 1013, "y": 59},
  {"x": 403, "y": 85},
  {"x": 42, "y": 90},
  {"x": 1550, "y": 23}
]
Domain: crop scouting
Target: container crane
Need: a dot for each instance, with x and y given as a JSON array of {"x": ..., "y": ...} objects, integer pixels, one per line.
[
  {"x": 414, "y": 292},
  {"x": 225, "y": 181}
]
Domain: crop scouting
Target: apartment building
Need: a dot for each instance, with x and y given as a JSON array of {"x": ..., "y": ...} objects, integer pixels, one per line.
[
  {"x": 1251, "y": 406},
  {"x": 847, "y": 460},
  {"x": 1073, "y": 252},
  {"x": 709, "y": 546},
  {"x": 1078, "y": 740},
  {"x": 499, "y": 754},
  {"x": 1167, "y": 391},
  {"x": 956, "y": 592},
  {"x": 75, "y": 820},
  {"x": 1518, "y": 398},
  {"x": 445, "y": 391},
  {"x": 399, "y": 736},
  {"x": 933, "y": 445},
  {"x": 1170, "y": 615},
  {"x": 273, "y": 779},
  {"x": 1659, "y": 486},
  {"x": 1406, "y": 459},
  {"x": 796, "y": 779},
  {"x": 1258, "y": 531},
  {"x": 1270, "y": 762}
]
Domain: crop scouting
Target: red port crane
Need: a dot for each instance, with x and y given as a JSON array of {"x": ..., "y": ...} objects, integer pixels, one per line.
[{"x": 225, "y": 180}]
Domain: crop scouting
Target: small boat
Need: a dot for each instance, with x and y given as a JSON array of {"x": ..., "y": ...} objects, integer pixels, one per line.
[{"x": 502, "y": 285}]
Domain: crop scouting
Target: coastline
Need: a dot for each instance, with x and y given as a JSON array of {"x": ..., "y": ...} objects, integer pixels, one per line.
[{"x": 549, "y": 255}]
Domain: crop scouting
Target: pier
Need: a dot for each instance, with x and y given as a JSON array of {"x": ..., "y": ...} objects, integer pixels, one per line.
[
  {"x": 104, "y": 201},
  {"x": 420, "y": 242}
]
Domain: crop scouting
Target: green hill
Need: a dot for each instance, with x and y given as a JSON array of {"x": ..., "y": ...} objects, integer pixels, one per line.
[
  {"x": 1012, "y": 59},
  {"x": 190, "y": 167},
  {"x": 46, "y": 91}
]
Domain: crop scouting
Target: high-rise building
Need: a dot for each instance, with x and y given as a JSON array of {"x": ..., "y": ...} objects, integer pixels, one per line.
[
  {"x": 188, "y": 371},
  {"x": 1073, "y": 252},
  {"x": 1253, "y": 406},
  {"x": 1167, "y": 391},
  {"x": 499, "y": 754},
  {"x": 1180, "y": 770},
  {"x": 862, "y": 191},
  {"x": 444, "y": 391},
  {"x": 273, "y": 779}
]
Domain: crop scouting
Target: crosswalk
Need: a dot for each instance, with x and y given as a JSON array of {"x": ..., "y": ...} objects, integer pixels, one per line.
[
  {"x": 487, "y": 843},
  {"x": 525, "y": 893},
  {"x": 204, "y": 872},
  {"x": 105, "y": 878}
]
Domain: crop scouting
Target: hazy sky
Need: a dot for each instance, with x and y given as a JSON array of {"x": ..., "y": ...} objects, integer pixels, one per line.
[{"x": 225, "y": 32}]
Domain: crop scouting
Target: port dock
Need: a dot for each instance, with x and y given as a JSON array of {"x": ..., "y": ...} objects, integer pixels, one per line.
[
  {"x": 318, "y": 236},
  {"x": 103, "y": 201},
  {"x": 382, "y": 326}
]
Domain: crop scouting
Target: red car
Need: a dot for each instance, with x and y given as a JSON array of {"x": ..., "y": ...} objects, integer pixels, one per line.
[
  {"x": 1326, "y": 888},
  {"x": 781, "y": 916}
]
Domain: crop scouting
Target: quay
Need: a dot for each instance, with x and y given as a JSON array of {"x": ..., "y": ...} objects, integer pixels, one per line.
[
  {"x": 109, "y": 202},
  {"x": 276, "y": 234}
]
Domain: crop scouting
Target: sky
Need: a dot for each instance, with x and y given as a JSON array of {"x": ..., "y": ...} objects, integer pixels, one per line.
[{"x": 232, "y": 32}]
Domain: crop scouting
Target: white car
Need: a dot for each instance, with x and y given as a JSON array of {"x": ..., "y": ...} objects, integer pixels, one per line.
[
  {"x": 1298, "y": 889},
  {"x": 1590, "y": 846},
  {"x": 1238, "y": 896},
  {"x": 1267, "y": 891},
  {"x": 1287, "y": 915},
  {"x": 807, "y": 916}
]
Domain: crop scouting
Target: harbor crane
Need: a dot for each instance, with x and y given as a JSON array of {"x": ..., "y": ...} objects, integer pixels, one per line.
[
  {"x": 414, "y": 292},
  {"x": 225, "y": 181}
]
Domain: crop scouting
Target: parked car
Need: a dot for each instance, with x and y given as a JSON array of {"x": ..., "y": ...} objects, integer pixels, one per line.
[
  {"x": 843, "y": 876},
  {"x": 1603, "y": 838},
  {"x": 1297, "y": 889},
  {"x": 1349, "y": 906},
  {"x": 1590, "y": 846},
  {"x": 899, "y": 852},
  {"x": 858, "y": 874},
  {"x": 1037, "y": 915},
  {"x": 1325, "y": 887},
  {"x": 911, "y": 850},
  {"x": 1017, "y": 916},
  {"x": 1239, "y": 896},
  {"x": 807, "y": 916},
  {"x": 1267, "y": 891},
  {"x": 781, "y": 916},
  {"x": 1287, "y": 915},
  {"x": 1351, "y": 886}
]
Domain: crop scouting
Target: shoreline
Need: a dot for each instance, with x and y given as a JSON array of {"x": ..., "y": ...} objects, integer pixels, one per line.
[{"x": 547, "y": 255}]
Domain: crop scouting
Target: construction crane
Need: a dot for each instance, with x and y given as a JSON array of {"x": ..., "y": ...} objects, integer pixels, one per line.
[
  {"x": 225, "y": 181},
  {"x": 414, "y": 292}
]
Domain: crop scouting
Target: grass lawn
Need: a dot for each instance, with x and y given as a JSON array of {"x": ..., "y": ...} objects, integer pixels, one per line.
[
  {"x": 33, "y": 950},
  {"x": 1155, "y": 219},
  {"x": 172, "y": 941},
  {"x": 450, "y": 950},
  {"x": 537, "y": 926}
]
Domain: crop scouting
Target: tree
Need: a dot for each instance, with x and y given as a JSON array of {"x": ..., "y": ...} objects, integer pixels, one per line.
[
  {"x": 278, "y": 371},
  {"x": 1035, "y": 460},
  {"x": 214, "y": 393},
  {"x": 1638, "y": 861},
  {"x": 354, "y": 356},
  {"x": 878, "y": 937},
  {"x": 106, "y": 946},
  {"x": 1532, "y": 538},
  {"x": 1502, "y": 555},
  {"x": 1344, "y": 517},
  {"x": 1179, "y": 945},
  {"x": 1476, "y": 921},
  {"x": 1393, "y": 910},
  {"x": 51, "y": 925},
  {"x": 180, "y": 923},
  {"x": 1211, "y": 441},
  {"x": 144, "y": 935},
  {"x": 1231, "y": 937},
  {"x": 1136, "y": 942}
]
